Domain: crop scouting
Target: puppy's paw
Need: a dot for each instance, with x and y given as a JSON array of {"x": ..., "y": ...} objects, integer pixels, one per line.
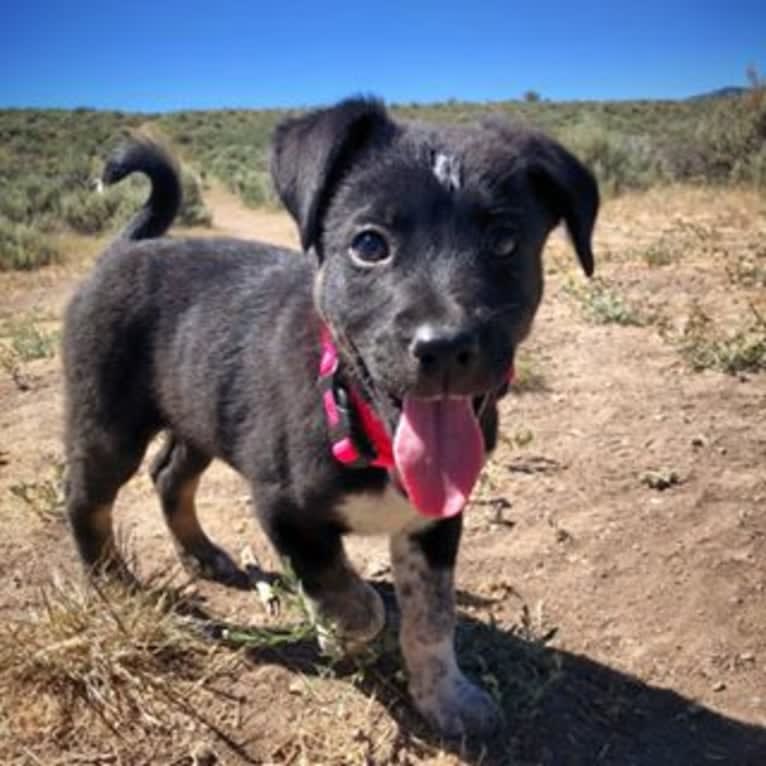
[
  {"x": 213, "y": 563},
  {"x": 457, "y": 708},
  {"x": 347, "y": 623}
]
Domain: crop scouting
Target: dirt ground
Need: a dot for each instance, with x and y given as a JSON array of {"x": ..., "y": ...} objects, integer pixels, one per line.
[{"x": 612, "y": 581}]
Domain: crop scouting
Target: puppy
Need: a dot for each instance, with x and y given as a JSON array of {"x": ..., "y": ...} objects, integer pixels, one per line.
[{"x": 354, "y": 386}]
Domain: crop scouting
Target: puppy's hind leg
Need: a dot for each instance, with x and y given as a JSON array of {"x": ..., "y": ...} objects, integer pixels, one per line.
[
  {"x": 97, "y": 470},
  {"x": 176, "y": 471}
]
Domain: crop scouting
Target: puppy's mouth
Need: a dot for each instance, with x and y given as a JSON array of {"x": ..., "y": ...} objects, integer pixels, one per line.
[
  {"x": 437, "y": 444},
  {"x": 438, "y": 452}
]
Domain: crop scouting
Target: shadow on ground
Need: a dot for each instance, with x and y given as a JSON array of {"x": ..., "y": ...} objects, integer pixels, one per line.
[{"x": 561, "y": 709}]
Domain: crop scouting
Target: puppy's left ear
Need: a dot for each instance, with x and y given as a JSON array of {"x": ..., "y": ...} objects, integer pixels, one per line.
[
  {"x": 571, "y": 192},
  {"x": 309, "y": 154}
]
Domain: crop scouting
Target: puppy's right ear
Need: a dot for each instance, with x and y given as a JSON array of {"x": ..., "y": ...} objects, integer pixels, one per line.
[{"x": 309, "y": 153}]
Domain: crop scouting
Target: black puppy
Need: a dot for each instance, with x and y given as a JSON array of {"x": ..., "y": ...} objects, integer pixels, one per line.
[{"x": 355, "y": 389}]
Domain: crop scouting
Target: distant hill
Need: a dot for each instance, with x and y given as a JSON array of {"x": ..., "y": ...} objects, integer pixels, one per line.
[
  {"x": 49, "y": 157},
  {"x": 727, "y": 92}
]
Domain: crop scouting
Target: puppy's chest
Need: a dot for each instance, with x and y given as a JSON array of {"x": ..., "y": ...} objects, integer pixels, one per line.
[{"x": 380, "y": 513}]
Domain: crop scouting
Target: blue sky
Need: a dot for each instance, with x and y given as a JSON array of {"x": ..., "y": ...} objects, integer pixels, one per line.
[{"x": 179, "y": 55}]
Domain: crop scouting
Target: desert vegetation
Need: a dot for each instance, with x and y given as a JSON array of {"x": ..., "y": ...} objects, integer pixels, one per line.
[
  {"x": 50, "y": 159},
  {"x": 50, "y": 162}
]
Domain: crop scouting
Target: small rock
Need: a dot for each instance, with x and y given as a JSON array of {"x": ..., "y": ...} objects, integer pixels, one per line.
[
  {"x": 203, "y": 755},
  {"x": 661, "y": 480},
  {"x": 699, "y": 441},
  {"x": 719, "y": 686}
]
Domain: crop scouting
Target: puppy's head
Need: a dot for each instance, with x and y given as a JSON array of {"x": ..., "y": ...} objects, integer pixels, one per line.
[{"x": 429, "y": 243}]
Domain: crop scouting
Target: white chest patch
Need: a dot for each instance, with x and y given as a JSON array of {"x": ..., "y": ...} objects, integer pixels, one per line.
[
  {"x": 387, "y": 513},
  {"x": 447, "y": 171}
]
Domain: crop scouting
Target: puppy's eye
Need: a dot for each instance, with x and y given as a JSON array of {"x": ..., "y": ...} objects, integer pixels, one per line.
[
  {"x": 369, "y": 247},
  {"x": 503, "y": 243}
]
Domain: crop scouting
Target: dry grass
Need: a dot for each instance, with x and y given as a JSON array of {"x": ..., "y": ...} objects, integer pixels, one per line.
[
  {"x": 98, "y": 674},
  {"x": 24, "y": 248},
  {"x": 706, "y": 346},
  {"x": 24, "y": 339},
  {"x": 27, "y": 341},
  {"x": 95, "y": 669},
  {"x": 602, "y": 303},
  {"x": 691, "y": 262},
  {"x": 43, "y": 496},
  {"x": 528, "y": 374}
]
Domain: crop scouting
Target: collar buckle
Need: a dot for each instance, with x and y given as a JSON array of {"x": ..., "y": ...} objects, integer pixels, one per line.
[
  {"x": 346, "y": 445},
  {"x": 358, "y": 438}
]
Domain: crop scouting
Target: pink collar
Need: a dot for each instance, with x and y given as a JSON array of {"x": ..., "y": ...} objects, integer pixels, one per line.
[{"x": 358, "y": 442}]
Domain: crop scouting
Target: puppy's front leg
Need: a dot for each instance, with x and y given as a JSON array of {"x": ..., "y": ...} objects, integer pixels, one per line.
[
  {"x": 423, "y": 567},
  {"x": 348, "y": 612}
]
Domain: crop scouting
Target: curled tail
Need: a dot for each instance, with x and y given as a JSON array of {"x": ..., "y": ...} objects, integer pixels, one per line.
[{"x": 142, "y": 155}]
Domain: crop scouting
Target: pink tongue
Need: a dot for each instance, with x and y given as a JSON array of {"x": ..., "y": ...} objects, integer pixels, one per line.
[{"x": 439, "y": 451}]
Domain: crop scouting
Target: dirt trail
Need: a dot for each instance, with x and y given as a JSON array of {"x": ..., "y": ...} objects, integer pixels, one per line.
[
  {"x": 232, "y": 218},
  {"x": 622, "y": 624}
]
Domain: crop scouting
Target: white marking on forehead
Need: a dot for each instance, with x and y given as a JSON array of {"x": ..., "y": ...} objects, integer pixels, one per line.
[{"x": 447, "y": 171}]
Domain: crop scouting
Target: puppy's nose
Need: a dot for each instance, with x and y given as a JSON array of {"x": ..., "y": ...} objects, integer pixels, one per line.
[{"x": 445, "y": 353}]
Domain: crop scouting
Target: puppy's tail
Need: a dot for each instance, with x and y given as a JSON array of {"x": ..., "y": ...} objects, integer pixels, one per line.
[{"x": 143, "y": 155}]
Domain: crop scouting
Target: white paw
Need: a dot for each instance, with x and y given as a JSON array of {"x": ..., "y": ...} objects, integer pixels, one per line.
[{"x": 458, "y": 708}]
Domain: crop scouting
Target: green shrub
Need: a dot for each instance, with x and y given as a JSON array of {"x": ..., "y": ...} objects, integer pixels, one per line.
[
  {"x": 255, "y": 188},
  {"x": 193, "y": 211},
  {"x": 49, "y": 158},
  {"x": 661, "y": 252},
  {"x": 619, "y": 161},
  {"x": 78, "y": 171},
  {"x": 732, "y": 139},
  {"x": 27, "y": 198},
  {"x": 28, "y": 341},
  {"x": 22, "y": 247},
  {"x": 706, "y": 347},
  {"x": 14, "y": 204},
  {"x": 602, "y": 304},
  {"x": 751, "y": 169},
  {"x": 89, "y": 212}
]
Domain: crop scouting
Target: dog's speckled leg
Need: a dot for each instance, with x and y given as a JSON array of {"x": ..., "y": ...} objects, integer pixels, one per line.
[{"x": 424, "y": 589}]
